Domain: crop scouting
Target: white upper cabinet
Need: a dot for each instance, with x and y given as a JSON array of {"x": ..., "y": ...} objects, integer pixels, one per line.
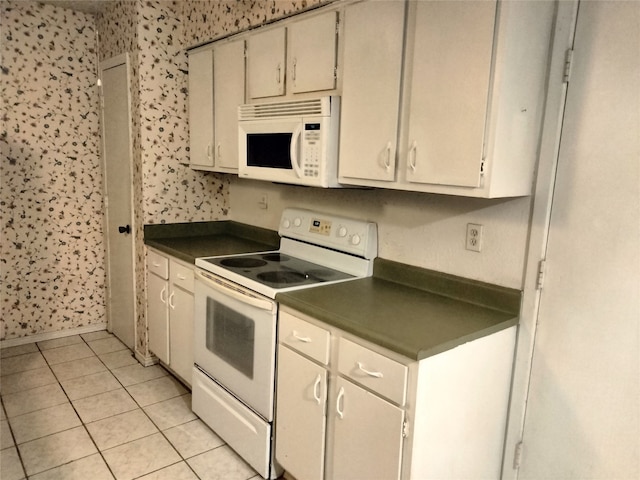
[
  {"x": 216, "y": 88},
  {"x": 472, "y": 95},
  {"x": 371, "y": 73},
  {"x": 266, "y": 63},
  {"x": 298, "y": 58},
  {"x": 201, "y": 108},
  {"x": 229, "y": 89},
  {"x": 312, "y": 44},
  {"x": 451, "y": 67}
]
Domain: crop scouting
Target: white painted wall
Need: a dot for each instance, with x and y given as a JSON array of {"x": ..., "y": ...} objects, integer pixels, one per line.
[
  {"x": 414, "y": 228},
  {"x": 583, "y": 415}
]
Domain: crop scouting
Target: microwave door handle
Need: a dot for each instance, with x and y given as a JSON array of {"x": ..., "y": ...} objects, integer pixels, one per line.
[
  {"x": 295, "y": 141},
  {"x": 237, "y": 294}
]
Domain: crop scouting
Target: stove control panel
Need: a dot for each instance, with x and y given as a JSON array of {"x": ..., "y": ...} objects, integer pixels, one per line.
[{"x": 348, "y": 235}]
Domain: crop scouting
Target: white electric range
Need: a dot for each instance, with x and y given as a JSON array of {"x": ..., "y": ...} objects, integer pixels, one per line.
[{"x": 236, "y": 322}]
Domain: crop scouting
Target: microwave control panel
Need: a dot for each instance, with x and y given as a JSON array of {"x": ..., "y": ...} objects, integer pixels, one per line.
[{"x": 312, "y": 145}]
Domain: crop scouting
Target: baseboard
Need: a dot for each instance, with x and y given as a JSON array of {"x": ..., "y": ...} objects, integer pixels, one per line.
[
  {"x": 40, "y": 337},
  {"x": 146, "y": 360}
]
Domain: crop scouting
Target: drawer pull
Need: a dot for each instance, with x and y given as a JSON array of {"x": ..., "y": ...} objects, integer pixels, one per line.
[
  {"x": 181, "y": 277},
  {"x": 369, "y": 372},
  {"x": 339, "y": 402},
  {"x": 299, "y": 338},
  {"x": 316, "y": 389},
  {"x": 156, "y": 264}
]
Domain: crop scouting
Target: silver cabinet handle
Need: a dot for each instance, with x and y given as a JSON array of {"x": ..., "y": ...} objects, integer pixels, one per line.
[
  {"x": 163, "y": 298},
  {"x": 387, "y": 162},
  {"x": 173, "y": 307}
]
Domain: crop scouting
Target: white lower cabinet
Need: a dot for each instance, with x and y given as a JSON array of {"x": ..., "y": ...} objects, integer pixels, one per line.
[
  {"x": 170, "y": 312},
  {"x": 349, "y": 409},
  {"x": 367, "y": 435}
]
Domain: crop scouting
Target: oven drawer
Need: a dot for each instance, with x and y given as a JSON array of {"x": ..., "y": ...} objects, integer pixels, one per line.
[
  {"x": 158, "y": 264},
  {"x": 243, "y": 430},
  {"x": 182, "y": 276},
  {"x": 373, "y": 370},
  {"x": 304, "y": 337}
]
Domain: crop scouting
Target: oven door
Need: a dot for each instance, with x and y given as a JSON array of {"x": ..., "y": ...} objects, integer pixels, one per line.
[{"x": 235, "y": 340}]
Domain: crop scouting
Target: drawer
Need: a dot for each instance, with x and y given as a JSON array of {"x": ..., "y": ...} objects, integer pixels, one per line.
[
  {"x": 373, "y": 370},
  {"x": 304, "y": 337},
  {"x": 158, "y": 264},
  {"x": 182, "y": 275}
]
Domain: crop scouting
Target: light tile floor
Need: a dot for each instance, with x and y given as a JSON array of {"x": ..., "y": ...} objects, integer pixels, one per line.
[{"x": 82, "y": 407}]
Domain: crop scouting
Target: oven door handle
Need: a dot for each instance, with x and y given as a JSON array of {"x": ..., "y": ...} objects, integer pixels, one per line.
[{"x": 235, "y": 293}]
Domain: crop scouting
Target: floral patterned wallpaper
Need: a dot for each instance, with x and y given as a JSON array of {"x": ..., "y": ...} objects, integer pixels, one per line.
[
  {"x": 52, "y": 250},
  {"x": 53, "y": 270}
]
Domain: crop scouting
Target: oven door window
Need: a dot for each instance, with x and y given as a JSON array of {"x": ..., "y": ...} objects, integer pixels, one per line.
[
  {"x": 269, "y": 150},
  {"x": 230, "y": 336}
]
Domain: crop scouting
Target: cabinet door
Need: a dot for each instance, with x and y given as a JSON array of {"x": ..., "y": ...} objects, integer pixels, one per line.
[
  {"x": 367, "y": 435},
  {"x": 312, "y": 43},
  {"x": 201, "y": 108},
  {"x": 266, "y": 69},
  {"x": 158, "y": 316},
  {"x": 373, "y": 37},
  {"x": 181, "y": 329},
  {"x": 300, "y": 415},
  {"x": 451, "y": 67},
  {"x": 228, "y": 83}
]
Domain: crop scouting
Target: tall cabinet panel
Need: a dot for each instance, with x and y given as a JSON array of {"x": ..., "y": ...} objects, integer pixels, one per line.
[
  {"x": 373, "y": 36},
  {"x": 228, "y": 87},
  {"x": 201, "y": 108},
  {"x": 451, "y": 67}
]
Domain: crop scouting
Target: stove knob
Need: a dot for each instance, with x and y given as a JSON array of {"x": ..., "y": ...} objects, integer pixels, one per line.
[
  {"x": 342, "y": 232},
  {"x": 297, "y": 222},
  {"x": 286, "y": 223},
  {"x": 355, "y": 240}
]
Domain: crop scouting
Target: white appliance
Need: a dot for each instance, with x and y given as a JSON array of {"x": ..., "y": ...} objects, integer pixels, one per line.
[
  {"x": 293, "y": 141},
  {"x": 236, "y": 322}
]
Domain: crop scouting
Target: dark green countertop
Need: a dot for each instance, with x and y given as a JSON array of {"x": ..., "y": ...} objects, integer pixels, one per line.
[
  {"x": 412, "y": 311},
  {"x": 188, "y": 241}
]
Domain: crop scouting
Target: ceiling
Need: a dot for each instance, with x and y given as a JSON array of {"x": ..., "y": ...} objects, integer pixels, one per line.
[{"x": 86, "y": 6}]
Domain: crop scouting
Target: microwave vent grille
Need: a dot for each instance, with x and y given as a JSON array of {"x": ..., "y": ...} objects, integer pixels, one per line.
[{"x": 298, "y": 108}]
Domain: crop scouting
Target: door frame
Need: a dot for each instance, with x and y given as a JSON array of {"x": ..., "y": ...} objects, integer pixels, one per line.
[
  {"x": 122, "y": 59},
  {"x": 539, "y": 222}
]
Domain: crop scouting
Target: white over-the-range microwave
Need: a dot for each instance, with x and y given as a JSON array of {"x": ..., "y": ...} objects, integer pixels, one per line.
[{"x": 293, "y": 142}]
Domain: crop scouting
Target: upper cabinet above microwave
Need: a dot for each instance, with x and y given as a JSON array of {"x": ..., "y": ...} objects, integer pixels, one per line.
[
  {"x": 298, "y": 58},
  {"x": 473, "y": 94},
  {"x": 216, "y": 88}
]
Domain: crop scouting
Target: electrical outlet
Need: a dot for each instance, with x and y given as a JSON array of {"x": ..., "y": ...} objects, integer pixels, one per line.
[
  {"x": 263, "y": 201},
  {"x": 474, "y": 237}
]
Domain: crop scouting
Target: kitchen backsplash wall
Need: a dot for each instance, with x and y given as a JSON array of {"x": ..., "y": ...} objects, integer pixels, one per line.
[
  {"x": 52, "y": 247},
  {"x": 420, "y": 229}
]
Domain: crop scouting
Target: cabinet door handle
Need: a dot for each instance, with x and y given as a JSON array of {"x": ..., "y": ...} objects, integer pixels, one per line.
[
  {"x": 173, "y": 307},
  {"x": 316, "y": 389},
  {"x": 218, "y": 152},
  {"x": 163, "y": 297},
  {"x": 299, "y": 338},
  {"x": 209, "y": 152},
  {"x": 278, "y": 74},
  {"x": 340, "y": 403},
  {"x": 369, "y": 372},
  {"x": 295, "y": 61},
  {"x": 387, "y": 162},
  {"x": 413, "y": 151}
]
